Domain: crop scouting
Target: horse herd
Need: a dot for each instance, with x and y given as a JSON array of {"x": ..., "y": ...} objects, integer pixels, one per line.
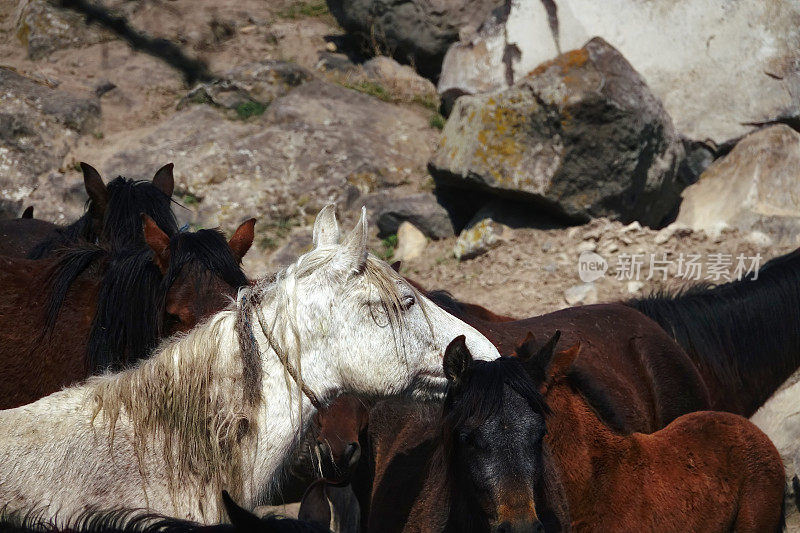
[{"x": 148, "y": 385}]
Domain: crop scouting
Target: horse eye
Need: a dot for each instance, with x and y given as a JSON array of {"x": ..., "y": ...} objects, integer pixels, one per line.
[
  {"x": 408, "y": 301},
  {"x": 171, "y": 320}
]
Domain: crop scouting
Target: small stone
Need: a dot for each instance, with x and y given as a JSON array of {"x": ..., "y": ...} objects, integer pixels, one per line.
[
  {"x": 547, "y": 246},
  {"x": 759, "y": 239},
  {"x": 572, "y": 232},
  {"x": 586, "y": 246},
  {"x": 633, "y": 226},
  {"x": 550, "y": 267},
  {"x": 330, "y": 46},
  {"x": 635, "y": 286},
  {"x": 247, "y": 29},
  {"x": 610, "y": 248},
  {"x": 583, "y": 294},
  {"x": 479, "y": 239},
  {"x": 411, "y": 242}
]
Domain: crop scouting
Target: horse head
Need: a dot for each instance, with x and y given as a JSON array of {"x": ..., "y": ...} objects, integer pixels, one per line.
[
  {"x": 201, "y": 272},
  {"x": 352, "y": 323},
  {"x": 336, "y": 446},
  {"x": 493, "y": 428},
  {"x": 113, "y": 210}
]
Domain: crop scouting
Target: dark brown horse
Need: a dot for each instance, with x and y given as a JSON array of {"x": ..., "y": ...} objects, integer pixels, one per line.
[
  {"x": 87, "y": 310},
  {"x": 111, "y": 218},
  {"x": 518, "y": 454}
]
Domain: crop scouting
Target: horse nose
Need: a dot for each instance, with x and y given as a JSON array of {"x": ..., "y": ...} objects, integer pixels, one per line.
[
  {"x": 351, "y": 455},
  {"x": 519, "y": 527}
]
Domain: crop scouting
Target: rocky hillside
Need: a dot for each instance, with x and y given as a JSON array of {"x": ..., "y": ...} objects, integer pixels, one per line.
[{"x": 489, "y": 158}]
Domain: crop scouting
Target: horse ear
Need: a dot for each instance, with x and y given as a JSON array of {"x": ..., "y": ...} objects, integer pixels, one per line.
[
  {"x": 545, "y": 354},
  {"x": 525, "y": 350},
  {"x": 164, "y": 180},
  {"x": 563, "y": 361},
  {"x": 242, "y": 519},
  {"x": 457, "y": 359},
  {"x": 326, "y": 229},
  {"x": 353, "y": 255},
  {"x": 537, "y": 362},
  {"x": 158, "y": 241},
  {"x": 28, "y": 213},
  {"x": 242, "y": 238},
  {"x": 96, "y": 190}
]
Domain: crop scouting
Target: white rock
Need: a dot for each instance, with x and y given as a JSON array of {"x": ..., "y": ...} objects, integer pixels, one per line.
[
  {"x": 586, "y": 246},
  {"x": 635, "y": 286},
  {"x": 754, "y": 187},
  {"x": 717, "y": 65},
  {"x": 411, "y": 242},
  {"x": 583, "y": 294},
  {"x": 759, "y": 239}
]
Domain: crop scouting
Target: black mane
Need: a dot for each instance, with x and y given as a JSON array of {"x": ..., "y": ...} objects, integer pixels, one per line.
[
  {"x": 746, "y": 333},
  {"x": 132, "y": 294},
  {"x": 130, "y": 311},
  {"x": 122, "y": 224},
  {"x": 446, "y": 301},
  {"x": 140, "y": 521}
]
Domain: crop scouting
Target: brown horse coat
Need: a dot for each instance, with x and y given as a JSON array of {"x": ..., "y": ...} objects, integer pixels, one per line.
[
  {"x": 39, "y": 358},
  {"x": 705, "y": 471}
]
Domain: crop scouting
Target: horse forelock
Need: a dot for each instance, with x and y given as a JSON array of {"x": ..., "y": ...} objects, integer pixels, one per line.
[
  {"x": 480, "y": 396},
  {"x": 127, "y": 199},
  {"x": 206, "y": 252},
  {"x": 188, "y": 399}
]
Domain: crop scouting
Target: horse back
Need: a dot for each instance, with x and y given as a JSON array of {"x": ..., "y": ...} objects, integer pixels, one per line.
[
  {"x": 723, "y": 459},
  {"x": 630, "y": 370},
  {"x": 18, "y": 236},
  {"x": 37, "y": 360}
]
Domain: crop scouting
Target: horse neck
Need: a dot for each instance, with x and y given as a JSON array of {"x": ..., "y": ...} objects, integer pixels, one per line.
[
  {"x": 199, "y": 378},
  {"x": 584, "y": 450},
  {"x": 742, "y": 336}
]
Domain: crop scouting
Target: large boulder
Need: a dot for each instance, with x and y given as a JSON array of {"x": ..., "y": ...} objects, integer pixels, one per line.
[
  {"x": 580, "y": 137},
  {"x": 43, "y": 28},
  {"x": 421, "y": 209},
  {"x": 319, "y": 143},
  {"x": 413, "y": 31},
  {"x": 38, "y": 125},
  {"x": 717, "y": 65},
  {"x": 778, "y": 419},
  {"x": 755, "y": 187}
]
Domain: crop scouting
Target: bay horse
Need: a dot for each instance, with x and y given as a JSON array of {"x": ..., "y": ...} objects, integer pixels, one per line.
[
  {"x": 112, "y": 217},
  {"x": 220, "y": 407},
  {"x": 87, "y": 310},
  {"x": 509, "y": 440}
]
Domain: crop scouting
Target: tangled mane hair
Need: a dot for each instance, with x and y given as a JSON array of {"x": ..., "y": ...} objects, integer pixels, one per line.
[
  {"x": 122, "y": 225},
  {"x": 185, "y": 396},
  {"x": 132, "y": 296},
  {"x": 206, "y": 413},
  {"x": 478, "y": 396}
]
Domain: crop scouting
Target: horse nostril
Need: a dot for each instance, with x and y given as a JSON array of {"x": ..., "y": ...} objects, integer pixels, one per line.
[{"x": 352, "y": 453}]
